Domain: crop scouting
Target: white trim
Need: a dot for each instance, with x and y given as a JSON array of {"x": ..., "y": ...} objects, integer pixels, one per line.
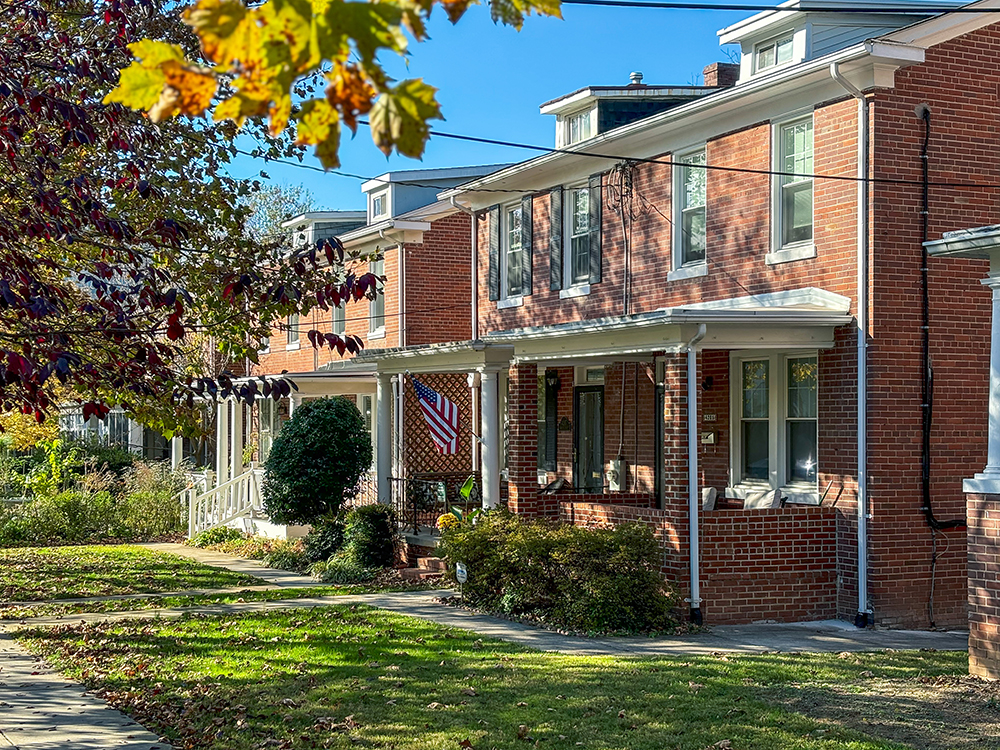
[
  {"x": 788, "y": 35},
  {"x": 777, "y": 217},
  {"x": 809, "y": 296},
  {"x": 385, "y": 212},
  {"x": 688, "y": 272},
  {"x": 378, "y": 333},
  {"x": 505, "y": 212},
  {"x": 789, "y": 253},
  {"x": 509, "y": 302},
  {"x": 677, "y": 233},
  {"x": 567, "y": 230},
  {"x": 578, "y": 290},
  {"x": 293, "y": 347}
]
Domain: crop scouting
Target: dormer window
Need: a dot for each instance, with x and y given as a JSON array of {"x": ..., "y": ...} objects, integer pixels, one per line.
[
  {"x": 379, "y": 205},
  {"x": 580, "y": 127},
  {"x": 773, "y": 53}
]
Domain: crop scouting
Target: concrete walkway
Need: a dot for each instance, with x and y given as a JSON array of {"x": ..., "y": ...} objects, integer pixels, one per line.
[
  {"x": 824, "y": 636},
  {"x": 41, "y": 710},
  {"x": 272, "y": 576}
]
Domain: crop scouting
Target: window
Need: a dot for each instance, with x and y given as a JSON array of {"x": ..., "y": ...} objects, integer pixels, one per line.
[
  {"x": 365, "y": 406},
  {"x": 578, "y": 127},
  {"x": 293, "y": 331},
  {"x": 578, "y": 235},
  {"x": 339, "y": 321},
  {"x": 268, "y": 428},
  {"x": 265, "y": 344},
  {"x": 689, "y": 221},
  {"x": 774, "y": 53},
  {"x": 794, "y": 188},
  {"x": 775, "y": 443},
  {"x": 379, "y": 205},
  {"x": 511, "y": 282},
  {"x": 376, "y": 307}
]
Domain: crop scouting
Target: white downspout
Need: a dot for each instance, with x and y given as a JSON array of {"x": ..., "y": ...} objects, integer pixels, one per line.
[
  {"x": 474, "y": 242},
  {"x": 694, "y": 504},
  {"x": 864, "y": 606}
]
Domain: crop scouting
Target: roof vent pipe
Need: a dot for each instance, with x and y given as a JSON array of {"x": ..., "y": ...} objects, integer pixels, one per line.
[{"x": 635, "y": 78}]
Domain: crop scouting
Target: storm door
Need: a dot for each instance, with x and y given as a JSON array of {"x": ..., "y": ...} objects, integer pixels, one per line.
[{"x": 588, "y": 438}]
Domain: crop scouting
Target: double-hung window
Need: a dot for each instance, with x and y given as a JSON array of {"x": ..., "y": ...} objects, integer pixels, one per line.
[
  {"x": 512, "y": 273},
  {"x": 775, "y": 442},
  {"x": 578, "y": 235},
  {"x": 339, "y": 319},
  {"x": 292, "y": 341},
  {"x": 773, "y": 53},
  {"x": 579, "y": 126},
  {"x": 376, "y": 307},
  {"x": 793, "y": 192},
  {"x": 690, "y": 191}
]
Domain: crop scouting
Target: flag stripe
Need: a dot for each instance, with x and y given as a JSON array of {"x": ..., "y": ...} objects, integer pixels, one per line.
[{"x": 441, "y": 416}]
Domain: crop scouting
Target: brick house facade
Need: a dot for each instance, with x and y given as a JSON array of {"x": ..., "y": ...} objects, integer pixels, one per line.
[{"x": 595, "y": 356}]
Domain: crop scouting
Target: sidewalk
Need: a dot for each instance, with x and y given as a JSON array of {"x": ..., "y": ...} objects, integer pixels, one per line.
[
  {"x": 272, "y": 576},
  {"x": 823, "y": 636},
  {"x": 41, "y": 710}
]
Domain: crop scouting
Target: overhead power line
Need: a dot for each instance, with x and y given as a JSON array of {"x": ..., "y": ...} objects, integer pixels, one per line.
[{"x": 866, "y": 10}]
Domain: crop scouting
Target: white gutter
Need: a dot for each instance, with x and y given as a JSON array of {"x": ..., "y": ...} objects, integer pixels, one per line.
[
  {"x": 864, "y": 606},
  {"x": 694, "y": 504},
  {"x": 474, "y": 383}
]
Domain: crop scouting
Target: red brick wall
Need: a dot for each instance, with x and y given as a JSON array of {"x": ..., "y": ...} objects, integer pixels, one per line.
[
  {"x": 755, "y": 565},
  {"x": 984, "y": 585}
]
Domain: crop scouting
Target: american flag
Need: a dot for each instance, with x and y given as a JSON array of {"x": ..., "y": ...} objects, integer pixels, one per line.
[{"x": 441, "y": 416}]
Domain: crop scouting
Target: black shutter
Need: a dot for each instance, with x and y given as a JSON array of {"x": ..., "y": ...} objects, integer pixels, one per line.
[
  {"x": 556, "y": 238},
  {"x": 526, "y": 253},
  {"x": 595, "y": 228},
  {"x": 494, "y": 232},
  {"x": 551, "y": 425}
]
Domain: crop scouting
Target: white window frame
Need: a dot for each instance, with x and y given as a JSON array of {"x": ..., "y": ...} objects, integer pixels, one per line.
[
  {"x": 292, "y": 333},
  {"x": 796, "y": 491},
  {"x": 566, "y": 125},
  {"x": 383, "y": 197},
  {"x": 691, "y": 269},
  {"x": 513, "y": 300},
  {"x": 574, "y": 287},
  {"x": 338, "y": 319},
  {"x": 580, "y": 374},
  {"x": 376, "y": 307},
  {"x": 371, "y": 423},
  {"x": 788, "y": 37},
  {"x": 782, "y": 252}
]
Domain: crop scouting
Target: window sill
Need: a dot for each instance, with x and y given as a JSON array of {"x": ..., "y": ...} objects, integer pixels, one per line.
[
  {"x": 688, "y": 272},
  {"x": 795, "y": 494},
  {"x": 292, "y": 347},
  {"x": 377, "y": 334},
  {"x": 791, "y": 253},
  {"x": 579, "y": 290},
  {"x": 504, "y": 304}
]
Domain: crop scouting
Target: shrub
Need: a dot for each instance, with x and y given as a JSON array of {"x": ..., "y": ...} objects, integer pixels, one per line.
[
  {"x": 70, "y": 516},
  {"x": 287, "y": 555},
  {"x": 150, "y": 507},
  {"x": 342, "y": 568},
  {"x": 371, "y": 536},
  {"x": 316, "y": 462},
  {"x": 218, "y": 535},
  {"x": 324, "y": 539},
  {"x": 98, "y": 455},
  {"x": 583, "y": 579}
]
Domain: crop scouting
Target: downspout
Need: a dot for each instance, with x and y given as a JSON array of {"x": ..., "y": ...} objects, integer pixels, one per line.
[
  {"x": 694, "y": 504},
  {"x": 399, "y": 382},
  {"x": 861, "y": 620},
  {"x": 474, "y": 331}
]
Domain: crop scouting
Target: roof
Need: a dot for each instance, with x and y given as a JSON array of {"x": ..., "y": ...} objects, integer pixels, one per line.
[
  {"x": 641, "y": 91},
  {"x": 333, "y": 216},
  {"x": 430, "y": 175}
]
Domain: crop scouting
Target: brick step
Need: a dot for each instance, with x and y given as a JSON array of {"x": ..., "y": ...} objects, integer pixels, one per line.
[
  {"x": 432, "y": 563},
  {"x": 418, "y": 574}
]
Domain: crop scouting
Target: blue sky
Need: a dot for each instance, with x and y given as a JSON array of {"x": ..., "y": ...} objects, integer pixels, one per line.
[{"x": 492, "y": 78}]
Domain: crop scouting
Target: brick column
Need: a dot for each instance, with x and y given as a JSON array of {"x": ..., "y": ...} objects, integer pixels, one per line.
[
  {"x": 675, "y": 476},
  {"x": 522, "y": 456},
  {"x": 984, "y": 585}
]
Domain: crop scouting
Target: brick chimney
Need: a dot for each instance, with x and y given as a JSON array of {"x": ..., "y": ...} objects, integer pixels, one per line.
[{"x": 721, "y": 75}]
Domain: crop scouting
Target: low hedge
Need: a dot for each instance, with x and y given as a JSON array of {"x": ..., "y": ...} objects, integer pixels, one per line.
[{"x": 591, "y": 580}]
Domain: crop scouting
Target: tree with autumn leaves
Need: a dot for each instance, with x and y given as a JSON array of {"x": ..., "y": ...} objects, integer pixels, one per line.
[{"x": 123, "y": 244}]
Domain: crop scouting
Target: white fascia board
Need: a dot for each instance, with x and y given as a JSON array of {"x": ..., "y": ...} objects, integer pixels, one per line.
[
  {"x": 395, "y": 230},
  {"x": 570, "y": 102},
  {"x": 983, "y": 242},
  {"x": 761, "y": 98},
  {"x": 944, "y": 27},
  {"x": 807, "y": 297},
  {"x": 312, "y": 216}
]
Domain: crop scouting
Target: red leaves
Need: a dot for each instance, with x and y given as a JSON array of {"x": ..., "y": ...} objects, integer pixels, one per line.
[{"x": 340, "y": 344}]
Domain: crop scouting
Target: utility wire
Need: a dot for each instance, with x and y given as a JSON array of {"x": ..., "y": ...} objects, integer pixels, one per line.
[{"x": 884, "y": 10}]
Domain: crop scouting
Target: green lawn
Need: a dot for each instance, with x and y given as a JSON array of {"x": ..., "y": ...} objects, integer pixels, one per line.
[
  {"x": 42, "y": 573},
  {"x": 58, "y": 609},
  {"x": 346, "y": 677}
]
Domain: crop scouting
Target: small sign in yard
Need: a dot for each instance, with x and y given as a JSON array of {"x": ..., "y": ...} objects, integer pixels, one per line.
[{"x": 461, "y": 573}]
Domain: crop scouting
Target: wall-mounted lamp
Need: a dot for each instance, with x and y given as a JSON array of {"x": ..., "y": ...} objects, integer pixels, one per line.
[
  {"x": 552, "y": 379},
  {"x": 707, "y": 383}
]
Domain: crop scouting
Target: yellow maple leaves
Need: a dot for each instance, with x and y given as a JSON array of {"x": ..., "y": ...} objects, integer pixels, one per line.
[{"x": 255, "y": 56}]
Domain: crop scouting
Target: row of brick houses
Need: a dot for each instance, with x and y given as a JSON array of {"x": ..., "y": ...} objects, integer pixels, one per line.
[{"x": 705, "y": 311}]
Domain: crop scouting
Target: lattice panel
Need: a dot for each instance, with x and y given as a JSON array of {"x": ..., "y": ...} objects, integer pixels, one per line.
[{"x": 420, "y": 453}]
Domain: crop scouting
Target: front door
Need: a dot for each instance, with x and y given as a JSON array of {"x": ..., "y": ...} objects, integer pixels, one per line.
[{"x": 588, "y": 439}]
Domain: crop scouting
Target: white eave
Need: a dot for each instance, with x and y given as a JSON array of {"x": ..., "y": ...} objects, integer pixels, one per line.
[
  {"x": 981, "y": 242},
  {"x": 391, "y": 230},
  {"x": 314, "y": 216}
]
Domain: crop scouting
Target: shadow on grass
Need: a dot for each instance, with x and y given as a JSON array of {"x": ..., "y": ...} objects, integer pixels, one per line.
[{"x": 350, "y": 676}]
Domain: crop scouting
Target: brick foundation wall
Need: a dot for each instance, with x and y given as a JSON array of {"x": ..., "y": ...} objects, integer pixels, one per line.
[
  {"x": 984, "y": 585},
  {"x": 756, "y": 565}
]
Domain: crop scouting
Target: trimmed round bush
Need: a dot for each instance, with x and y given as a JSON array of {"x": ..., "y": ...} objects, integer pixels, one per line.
[{"x": 316, "y": 462}]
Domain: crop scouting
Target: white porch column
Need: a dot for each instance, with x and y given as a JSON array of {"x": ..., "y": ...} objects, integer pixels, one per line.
[
  {"x": 383, "y": 438},
  {"x": 992, "y": 470},
  {"x": 176, "y": 451},
  {"x": 236, "y": 442},
  {"x": 490, "y": 416},
  {"x": 222, "y": 442},
  {"x": 294, "y": 401}
]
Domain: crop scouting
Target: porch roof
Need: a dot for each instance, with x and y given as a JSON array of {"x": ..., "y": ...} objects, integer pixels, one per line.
[
  {"x": 980, "y": 242},
  {"x": 344, "y": 377},
  {"x": 792, "y": 319}
]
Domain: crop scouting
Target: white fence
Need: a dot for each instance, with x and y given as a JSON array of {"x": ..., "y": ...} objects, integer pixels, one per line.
[{"x": 209, "y": 506}]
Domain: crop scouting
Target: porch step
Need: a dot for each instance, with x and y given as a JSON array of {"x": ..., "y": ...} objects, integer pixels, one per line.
[
  {"x": 435, "y": 564},
  {"x": 419, "y": 574}
]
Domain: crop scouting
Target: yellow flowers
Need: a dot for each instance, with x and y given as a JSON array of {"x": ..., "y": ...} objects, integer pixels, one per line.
[{"x": 447, "y": 521}]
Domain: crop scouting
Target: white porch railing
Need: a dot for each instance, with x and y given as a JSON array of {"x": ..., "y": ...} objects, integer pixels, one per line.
[{"x": 218, "y": 506}]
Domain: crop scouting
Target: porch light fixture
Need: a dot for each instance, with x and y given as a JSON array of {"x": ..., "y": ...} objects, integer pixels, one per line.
[
  {"x": 707, "y": 383},
  {"x": 552, "y": 379}
]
